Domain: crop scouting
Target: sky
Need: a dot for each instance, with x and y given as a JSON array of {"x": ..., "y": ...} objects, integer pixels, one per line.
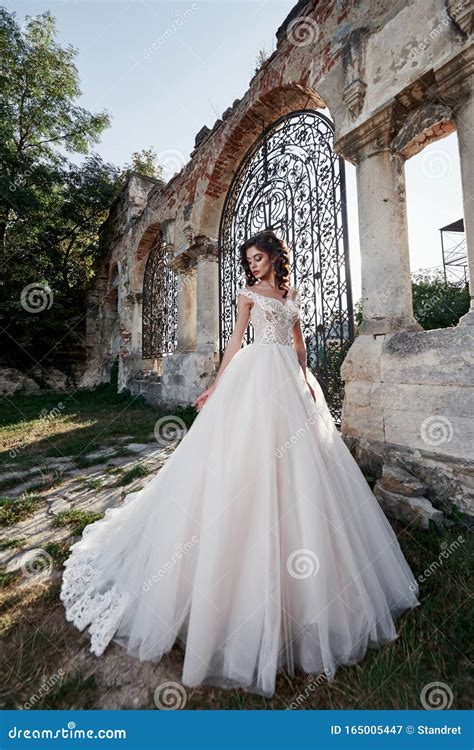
[{"x": 162, "y": 70}]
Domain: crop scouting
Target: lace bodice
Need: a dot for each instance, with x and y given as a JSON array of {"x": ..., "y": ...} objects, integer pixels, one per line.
[{"x": 273, "y": 319}]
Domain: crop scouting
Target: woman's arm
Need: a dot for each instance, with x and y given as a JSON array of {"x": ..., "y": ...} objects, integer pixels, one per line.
[
  {"x": 235, "y": 342},
  {"x": 233, "y": 345},
  {"x": 299, "y": 345}
]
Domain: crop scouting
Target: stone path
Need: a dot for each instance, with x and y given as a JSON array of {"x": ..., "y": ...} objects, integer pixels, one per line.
[{"x": 122, "y": 681}]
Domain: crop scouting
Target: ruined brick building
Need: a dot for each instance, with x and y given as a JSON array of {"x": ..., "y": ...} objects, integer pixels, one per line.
[{"x": 371, "y": 83}]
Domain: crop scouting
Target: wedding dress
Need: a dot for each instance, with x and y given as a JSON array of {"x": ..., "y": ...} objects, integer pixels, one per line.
[{"x": 258, "y": 546}]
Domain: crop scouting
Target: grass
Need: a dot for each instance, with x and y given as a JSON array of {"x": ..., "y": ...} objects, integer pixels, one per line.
[
  {"x": 77, "y": 520},
  {"x": 17, "y": 543},
  {"x": 432, "y": 646},
  {"x": 37, "y": 641},
  {"x": 130, "y": 475},
  {"x": 93, "y": 484},
  {"x": 60, "y": 424},
  {"x": 59, "y": 551},
  {"x": 6, "y": 579},
  {"x": 14, "y": 510}
]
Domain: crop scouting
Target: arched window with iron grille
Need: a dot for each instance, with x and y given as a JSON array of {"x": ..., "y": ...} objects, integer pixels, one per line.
[{"x": 160, "y": 310}]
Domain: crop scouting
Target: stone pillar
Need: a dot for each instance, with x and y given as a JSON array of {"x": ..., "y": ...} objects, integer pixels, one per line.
[
  {"x": 464, "y": 115},
  {"x": 454, "y": 84},
  {"x": 188, "y": 370},
  {"x": 205, "y": 252},
  {"x": 385, "y": 262},
  {"x": 185, "y": 267}
]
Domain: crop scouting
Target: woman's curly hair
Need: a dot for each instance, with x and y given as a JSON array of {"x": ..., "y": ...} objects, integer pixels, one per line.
[{"x": 279, "y": 253}]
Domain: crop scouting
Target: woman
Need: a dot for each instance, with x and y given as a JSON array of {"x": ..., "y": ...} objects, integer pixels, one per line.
[{"x": 259, "y": 545}]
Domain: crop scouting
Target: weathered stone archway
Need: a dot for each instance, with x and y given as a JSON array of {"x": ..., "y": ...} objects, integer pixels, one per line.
[{"x": 388, "y": 97}]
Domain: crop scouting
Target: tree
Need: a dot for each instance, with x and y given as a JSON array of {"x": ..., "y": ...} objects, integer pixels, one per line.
[
  {"x": 39, "y": 120},
  {"x": 144, "y": 162},
  {"x": 436, "y": 303}
]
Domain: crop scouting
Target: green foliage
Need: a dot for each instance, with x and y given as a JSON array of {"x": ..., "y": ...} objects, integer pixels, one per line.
[
  {"x": 436, "y": 303},
  {"x": 144, "y": 162},
  {"x": 76, "y": 519},
  {"x": 137, "y": 472},
  {"x": 51, "y": 208},
  {"x": 14, "y": 510}
]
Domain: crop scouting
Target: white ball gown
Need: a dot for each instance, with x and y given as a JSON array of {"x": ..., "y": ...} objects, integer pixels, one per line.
[{"x": 258, "y": 546}]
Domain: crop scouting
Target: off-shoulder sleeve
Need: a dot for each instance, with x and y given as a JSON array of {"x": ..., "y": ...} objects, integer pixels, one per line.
[{"x": 245, "y": 293}]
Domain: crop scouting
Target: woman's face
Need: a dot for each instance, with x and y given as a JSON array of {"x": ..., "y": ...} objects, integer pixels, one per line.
[{"x": 259, "y": 262}]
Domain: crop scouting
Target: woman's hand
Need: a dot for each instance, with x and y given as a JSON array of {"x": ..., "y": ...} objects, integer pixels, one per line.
[{"x": 201, "y": 400}]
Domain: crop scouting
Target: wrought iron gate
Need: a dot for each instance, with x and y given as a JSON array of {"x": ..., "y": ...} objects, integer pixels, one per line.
[
  {"x": 160, "y": 311},
  {"x": 291, "y": 181}
]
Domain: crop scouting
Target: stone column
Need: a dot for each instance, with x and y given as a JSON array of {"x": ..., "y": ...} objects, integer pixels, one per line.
[
  {"x": 205, "y": 252},
  {"x": 132, "y": 321},
  {"x": 464, "y": 115},
  {"x": 454, "y": 84},
  {"x": 385, "y": 262},
  {"x": 188, "y": 371},
  {"x": 185, "y": 267}
]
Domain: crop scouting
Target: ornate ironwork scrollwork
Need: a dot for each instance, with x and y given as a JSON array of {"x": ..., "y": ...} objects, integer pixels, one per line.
[
  {"x": 160, "y": 308},
  {"x": 292, "y": 182}
]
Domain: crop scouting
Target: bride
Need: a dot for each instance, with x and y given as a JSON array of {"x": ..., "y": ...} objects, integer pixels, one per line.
[{"x": 259, "y": 545}]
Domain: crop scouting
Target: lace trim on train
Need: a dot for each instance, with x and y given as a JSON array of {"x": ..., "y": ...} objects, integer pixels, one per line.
[{"x": 84, "y": 603}]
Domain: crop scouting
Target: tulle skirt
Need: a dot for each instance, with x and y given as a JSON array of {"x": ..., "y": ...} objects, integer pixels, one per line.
[{"x": 258, "y": 546}]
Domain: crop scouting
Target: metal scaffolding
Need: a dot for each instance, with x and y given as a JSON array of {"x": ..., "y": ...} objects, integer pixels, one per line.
[{"x": 453, "y": 248}]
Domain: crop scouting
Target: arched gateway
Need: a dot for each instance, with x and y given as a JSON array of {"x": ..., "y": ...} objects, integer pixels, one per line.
[{"x": 291, "y": 181}]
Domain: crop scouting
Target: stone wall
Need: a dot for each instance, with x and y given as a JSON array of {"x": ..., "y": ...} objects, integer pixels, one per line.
[{"x": 394, "y": 76}]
